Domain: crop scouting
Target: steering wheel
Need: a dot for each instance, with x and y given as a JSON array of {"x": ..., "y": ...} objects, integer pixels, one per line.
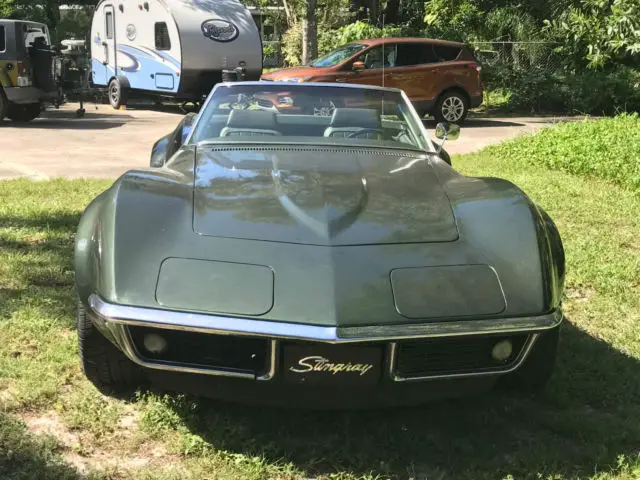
[{"x": 364, "y": 131}]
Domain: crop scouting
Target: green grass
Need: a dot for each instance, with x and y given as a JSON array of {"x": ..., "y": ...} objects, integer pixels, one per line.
[
  {"x": 585, "y": 425},
  {"x": 607, "y": 148}
]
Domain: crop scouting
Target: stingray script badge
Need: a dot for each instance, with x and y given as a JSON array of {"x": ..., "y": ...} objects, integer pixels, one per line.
[
  {"x": 321, "y": 364},
  {"x": 220, "y": 30}
]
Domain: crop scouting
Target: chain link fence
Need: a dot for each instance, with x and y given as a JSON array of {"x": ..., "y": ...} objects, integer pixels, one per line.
[{"x": 504, "y": 62}]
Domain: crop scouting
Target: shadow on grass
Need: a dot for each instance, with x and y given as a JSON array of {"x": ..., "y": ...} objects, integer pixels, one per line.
[
  {"x": 24, "y": 457},
  {"x": 579, "y": 424},
  {"x": 66, "y": 222}
]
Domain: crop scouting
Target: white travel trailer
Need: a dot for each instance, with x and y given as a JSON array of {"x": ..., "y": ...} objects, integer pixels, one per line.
[{"x": 177, "y": 48}]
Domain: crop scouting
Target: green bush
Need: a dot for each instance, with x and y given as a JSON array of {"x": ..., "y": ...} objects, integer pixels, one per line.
[
  {"x": 607, "y": 148},
  {"x": 588, "y": 92}
]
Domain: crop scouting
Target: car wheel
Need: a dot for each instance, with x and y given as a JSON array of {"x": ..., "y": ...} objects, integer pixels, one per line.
[
  {"x": 3, "y": 105},
  {"x": 104, "y": 365},
  {"x": 23, "y": 113},
  {"x": 117, "y": 94},
  {"x": 451, "y": 107},
  {"x": 536, "y": 370}
]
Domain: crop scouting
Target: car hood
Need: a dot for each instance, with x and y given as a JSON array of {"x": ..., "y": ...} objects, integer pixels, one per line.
[
  {"x": 320, "y": 196},
  {"x": 285, "y": 73}
]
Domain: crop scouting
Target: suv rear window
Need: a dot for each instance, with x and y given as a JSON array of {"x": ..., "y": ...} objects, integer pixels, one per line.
[
  {"x": 3, "y": 40},
  {"x": 445, "y": 53},
  {"x": 415, "y": 54}
]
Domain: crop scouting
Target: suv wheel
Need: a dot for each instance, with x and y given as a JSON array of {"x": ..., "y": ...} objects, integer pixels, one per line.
[
  {"x": 117, "y": 95},
  {"x": 23, "y": 113},
  {"x": 451, "y": 107}
]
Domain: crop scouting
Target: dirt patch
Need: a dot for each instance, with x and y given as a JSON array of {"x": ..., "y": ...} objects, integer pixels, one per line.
[
  {"x": 86, "y": 457},
  {"x": 580, "y": 293}
]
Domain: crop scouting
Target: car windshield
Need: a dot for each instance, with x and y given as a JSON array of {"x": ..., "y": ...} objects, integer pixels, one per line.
[
  {"x": 338, "y": 55},
  {"x": 308, "y": 114}
]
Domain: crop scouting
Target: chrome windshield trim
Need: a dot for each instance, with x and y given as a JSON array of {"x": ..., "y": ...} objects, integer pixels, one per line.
[{"x": 205, "y": 323}]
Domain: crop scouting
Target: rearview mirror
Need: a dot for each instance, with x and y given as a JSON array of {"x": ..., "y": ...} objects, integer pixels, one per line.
[{"x": 358, "y": 66}]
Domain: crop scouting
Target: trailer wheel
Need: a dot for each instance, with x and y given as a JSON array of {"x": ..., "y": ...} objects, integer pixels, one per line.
[{"x": 117, "y": 94}]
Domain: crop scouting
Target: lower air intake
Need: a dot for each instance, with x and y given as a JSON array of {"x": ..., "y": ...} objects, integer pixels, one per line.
[
  {"x": 475, "y": 354},
  {"x": 207, "y": 351}
]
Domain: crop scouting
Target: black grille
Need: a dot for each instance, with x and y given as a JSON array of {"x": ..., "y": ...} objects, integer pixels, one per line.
[
  {"x": 206, "y": 350},
  {"x": 456, "y": 355}
]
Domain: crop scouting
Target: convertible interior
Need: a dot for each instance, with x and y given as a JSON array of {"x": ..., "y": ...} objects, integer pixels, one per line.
[{"x": 356, "y": 123}]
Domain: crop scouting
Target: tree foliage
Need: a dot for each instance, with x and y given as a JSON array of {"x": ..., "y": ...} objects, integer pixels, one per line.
[
  {"x": 599, "y": 31},
  {"x": 45, "y": 11}
]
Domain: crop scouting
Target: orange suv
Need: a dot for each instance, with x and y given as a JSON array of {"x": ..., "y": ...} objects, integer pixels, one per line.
[{"x": 441, "y": 78}]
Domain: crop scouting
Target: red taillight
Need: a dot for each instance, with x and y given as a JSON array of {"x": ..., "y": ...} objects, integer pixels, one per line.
[
  {"x": 475, "y": 66},
  {"x": 24, "y": 75},
  {"x": 22, "y": 69}
]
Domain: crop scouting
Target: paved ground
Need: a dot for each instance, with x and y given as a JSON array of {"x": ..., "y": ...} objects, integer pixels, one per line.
[{"x": 106, "y": 143}]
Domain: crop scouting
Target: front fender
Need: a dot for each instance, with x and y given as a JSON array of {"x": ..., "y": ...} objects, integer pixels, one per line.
[
  {"x": 553, "y": 257},
  {"x": 93, "y": 250}
]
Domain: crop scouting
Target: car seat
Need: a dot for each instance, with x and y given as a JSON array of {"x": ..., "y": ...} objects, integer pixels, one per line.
[
  {"x": 250, "y": 123},
  {"x": 347, "y": 121}
]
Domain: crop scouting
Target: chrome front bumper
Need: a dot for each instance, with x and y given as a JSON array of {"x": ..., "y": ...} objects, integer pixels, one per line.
[{"x": 114, "y": 319}]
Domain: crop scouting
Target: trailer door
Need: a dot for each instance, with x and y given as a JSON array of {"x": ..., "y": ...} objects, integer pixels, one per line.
[{"x": 109, "y": 43}]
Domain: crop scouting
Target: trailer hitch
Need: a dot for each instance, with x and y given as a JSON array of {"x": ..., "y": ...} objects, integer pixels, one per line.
[{"x": 235, "y": 75}]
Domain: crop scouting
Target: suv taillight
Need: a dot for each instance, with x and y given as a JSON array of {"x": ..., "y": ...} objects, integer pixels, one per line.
[
  {"x": 475, "y": 66},
  {"x": 24, "y": 75}
]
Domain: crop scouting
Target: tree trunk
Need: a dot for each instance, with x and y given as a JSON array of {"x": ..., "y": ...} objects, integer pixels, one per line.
[
  {"x": 391, "y": 11},
  {"x": 290, "y": 16},
  {"x": 310, "y": 34}
]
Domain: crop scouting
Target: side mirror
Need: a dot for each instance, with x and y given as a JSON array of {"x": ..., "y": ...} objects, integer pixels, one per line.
[
  {"x": 357, "y": 66},
  {"x": 447, "y": 131}
]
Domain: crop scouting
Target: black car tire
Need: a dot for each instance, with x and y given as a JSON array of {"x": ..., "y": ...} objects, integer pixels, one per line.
[
  {"x": 23, "y": 113},
  {"x": 104, "y": 365},
  {"x": 3, "y": 105},
  {"x": 449, "y": 102},
  {"x": 536, "y": 370},
  {"x": 117, "y": 94}
]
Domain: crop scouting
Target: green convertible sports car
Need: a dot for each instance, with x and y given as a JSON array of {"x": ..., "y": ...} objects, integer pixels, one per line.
[{"x": 323, "y": 256}]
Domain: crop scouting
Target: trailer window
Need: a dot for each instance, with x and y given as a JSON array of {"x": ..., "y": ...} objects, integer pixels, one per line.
[
  {"x": 163, "y": 42},
  {"x": 3, "y": 41},
  {"x": 109, "y": 27}
]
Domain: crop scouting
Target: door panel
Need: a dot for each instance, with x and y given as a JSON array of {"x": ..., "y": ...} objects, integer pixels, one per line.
[
  {"x": 109, "y": 42},
  {"x": 377, "y": 65},
  {"x": 417, "y": 71},
  {"x": 420, "y": 82}
]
